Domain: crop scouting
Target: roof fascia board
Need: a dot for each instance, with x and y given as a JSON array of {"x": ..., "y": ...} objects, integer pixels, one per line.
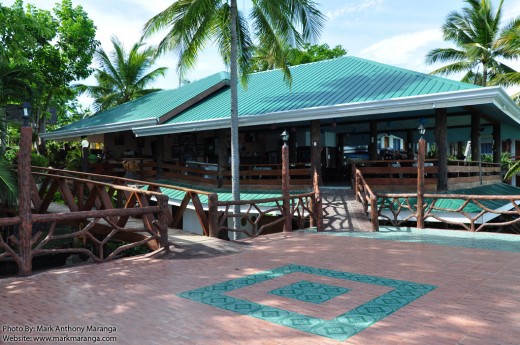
[
  {"x": 488, "y": 95},
  {"x": 115, "y": 127},
  {"x": 162, "y": 119}
]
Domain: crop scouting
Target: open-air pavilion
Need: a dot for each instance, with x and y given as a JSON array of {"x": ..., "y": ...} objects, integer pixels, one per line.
[{"x": 181, "y": 136}]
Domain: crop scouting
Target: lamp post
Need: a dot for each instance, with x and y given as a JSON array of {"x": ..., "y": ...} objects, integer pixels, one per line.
[
  {"x": 285, "y": 182},
  {"x": 421, "y": 152},
  {"x": 24, "y": 198}
]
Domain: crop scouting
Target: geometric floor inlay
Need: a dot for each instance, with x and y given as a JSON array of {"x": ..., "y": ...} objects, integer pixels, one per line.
[
  {"x": 347, "y": 322},
  {"x": 307, "y": 291}
]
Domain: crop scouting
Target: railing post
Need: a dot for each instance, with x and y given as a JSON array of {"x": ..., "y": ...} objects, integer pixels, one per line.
[
  {"x": 480, "y": 171},
  {"x": 285, "y": 189},
  {"x": 164, "y": 218},
  {"x": 24, "y": 201},
  {"x": 213, "y": 215},
  {"x": 420, "y": 183},
  {"x": 374, "y": 214},
  {"x": 317, "y": 207},
  {"x": 356, "y": 182}
]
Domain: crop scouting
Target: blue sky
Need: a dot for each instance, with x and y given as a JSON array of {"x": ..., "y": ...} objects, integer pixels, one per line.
[{"x": 396, "y": 32}]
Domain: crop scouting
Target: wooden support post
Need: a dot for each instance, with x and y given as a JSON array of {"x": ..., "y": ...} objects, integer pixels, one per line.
[
  {"x": 372, "y": 144},
  {"x": 285, "y": 188},
  {"x": 316, "y": 150},
  {"x": 409, "y": 143},
  {"x": 475, "y": 138},
  {"x": 497, "y": 143},
  {"x": 213, "y": 215},
  {"x": 441, "y": 141},
  {"x": 317, "y": 207},
  {"x": 159, "y": 148},
  {"x": 420, "y": 183},
  {"x": 24, "y": 201},
  {"x": 374, "y": 215},
  {"x": 164, "y": 217},
  {"x": 222, "y": 156}
]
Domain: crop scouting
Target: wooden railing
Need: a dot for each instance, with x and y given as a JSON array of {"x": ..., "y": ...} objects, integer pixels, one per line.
[
  {"x": 261, "y": 214},
  {"x": 401, "y": 175},
  {"x": 403, "y": 208},
  {"x": 400, "y": 208},
  {"x": 258, "y": 176},
  {"x": 365, "y": 195},
  {"x": 94, "y": 211},
  {"x": 213, "y": 221}
]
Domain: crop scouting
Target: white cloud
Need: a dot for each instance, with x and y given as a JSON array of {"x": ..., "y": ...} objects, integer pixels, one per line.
[
  {"x": 359, "y": 7},
  {"x": 408, "y": 50}
]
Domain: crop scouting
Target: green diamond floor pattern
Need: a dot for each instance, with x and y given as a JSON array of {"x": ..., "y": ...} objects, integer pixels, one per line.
[
  {"x": 341, "y": 327},
  {"x": 310, "y": 292}
]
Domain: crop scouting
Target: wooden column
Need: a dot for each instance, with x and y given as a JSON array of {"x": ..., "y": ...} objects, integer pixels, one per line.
[
  {"x": 497, "y": 143},
  {"x": 340, "y": 140},
  {"x": 222, "y": 156},
  {"x": 24, "y": 201},
  {"x": 316, "y": 150},
  {"x": 441, "y": 141},
  {"x": 372, "y": 141},
  {"x": 409, "y": 143},
  {"x": 285, "y": 188},
  {"x": 475, "y": 138},
  {"x": 421, "y": 153},
  {"x": 160, "y": 155}
]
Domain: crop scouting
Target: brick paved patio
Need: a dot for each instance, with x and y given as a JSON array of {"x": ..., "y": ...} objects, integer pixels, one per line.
[{"x": 426, "y": 288}]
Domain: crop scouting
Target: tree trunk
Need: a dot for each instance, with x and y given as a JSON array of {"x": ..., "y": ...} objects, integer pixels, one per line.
[{"x": 235, "y": 152}]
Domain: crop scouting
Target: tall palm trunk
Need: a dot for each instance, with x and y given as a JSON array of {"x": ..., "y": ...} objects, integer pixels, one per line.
[{"x": 235, "y": 152}]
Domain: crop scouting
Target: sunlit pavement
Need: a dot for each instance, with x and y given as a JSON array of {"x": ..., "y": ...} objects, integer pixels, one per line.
[{"x": 406, "y": 287}]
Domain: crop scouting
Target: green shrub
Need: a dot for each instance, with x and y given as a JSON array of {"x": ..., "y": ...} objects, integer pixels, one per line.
[
  {"x": 74, "y": 159},
  {"x": 10, "y": 155},
  {"x": 39, "y": 160}
]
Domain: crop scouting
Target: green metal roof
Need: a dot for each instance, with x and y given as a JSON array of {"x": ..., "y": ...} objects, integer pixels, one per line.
[
  {"x": 223, "y": 195},
  {"x": 151, "y": 106},
  {"x": 325, "y": 83}
]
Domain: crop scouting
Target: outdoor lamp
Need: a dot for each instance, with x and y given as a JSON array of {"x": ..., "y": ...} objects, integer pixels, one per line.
[
  {"x": 26, "y": 113},
  {"x": 285, "y": 136},
  {"x": 422, "y": 130},
  {"x": 84, "y": 143}
]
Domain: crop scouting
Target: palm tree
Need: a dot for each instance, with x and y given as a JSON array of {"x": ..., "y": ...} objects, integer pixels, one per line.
[
  {"x": 510, "y": 42},
  {"x": 475, "y": 32},
  {"x": 192, "y": 24},
  {"x": 123, "y": 76}
]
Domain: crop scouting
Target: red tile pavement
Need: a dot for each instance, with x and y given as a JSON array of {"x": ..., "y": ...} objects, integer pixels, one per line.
[{"x": 477, "y": 300}]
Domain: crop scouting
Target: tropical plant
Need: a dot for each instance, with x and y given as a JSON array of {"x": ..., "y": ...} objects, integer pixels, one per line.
[
  {"x": 123, "y": 76},
  {"x": 8, "y": 184},
  {"x": 510, "y": 41},
  {"x": 263, "y": 59},
  {"x": 192, "y": 24},
  {"x": 476, "y": 34}
]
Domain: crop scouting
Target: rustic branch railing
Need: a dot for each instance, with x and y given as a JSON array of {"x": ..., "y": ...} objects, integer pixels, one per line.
[
  {"x": 97, "y": 209},
  {"x": 211, "y": 221},
  {"x": 365, "y": 195},
  {"x": 403, "y": 208},
  {"x": 190, "y": 194},
  {"x": 399, "y": 208},
  {"x": 302, "y": 206}
]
